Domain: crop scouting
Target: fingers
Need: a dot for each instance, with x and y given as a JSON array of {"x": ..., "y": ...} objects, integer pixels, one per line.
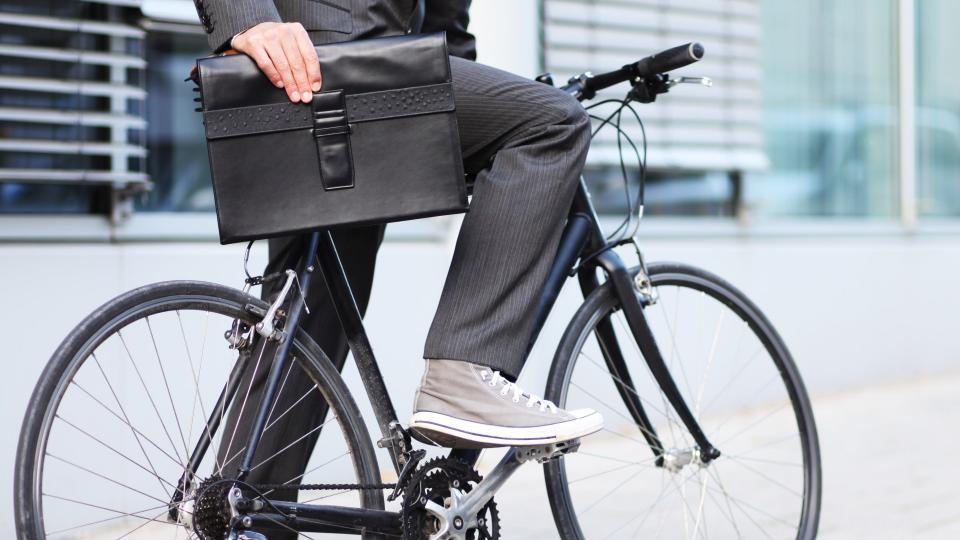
[
  {"x": 279, "y": 59},
  {"x": 310, "y": 59},
  {"x": 284, "y": 53},
  {"x": 297, "y": 65},
  {"x": 265, "y": 64}
]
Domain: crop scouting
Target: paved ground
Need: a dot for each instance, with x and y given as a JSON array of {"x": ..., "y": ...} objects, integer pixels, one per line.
[
  {"x": 890, "y": 464},
  {"x": 890, "y": 471}
]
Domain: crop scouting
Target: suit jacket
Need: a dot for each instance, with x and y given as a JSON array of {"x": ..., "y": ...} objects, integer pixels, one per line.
[{"x": 329, "y": 21}]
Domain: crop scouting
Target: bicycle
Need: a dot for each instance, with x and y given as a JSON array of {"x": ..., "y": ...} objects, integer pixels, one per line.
[{"x": 136, "y": 463}]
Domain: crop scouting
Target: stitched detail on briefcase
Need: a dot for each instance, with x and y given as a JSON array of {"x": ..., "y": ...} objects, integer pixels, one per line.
[
  {"x": 224, "y": 123},
  {"x": 400, "y": 102}
]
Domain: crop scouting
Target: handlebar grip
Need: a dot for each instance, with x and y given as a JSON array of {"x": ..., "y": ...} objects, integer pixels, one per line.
[{"x": 669, "y": 59}]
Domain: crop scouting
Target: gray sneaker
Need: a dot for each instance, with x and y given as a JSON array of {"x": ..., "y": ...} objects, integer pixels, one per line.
[{"x": 464, "y": 405}]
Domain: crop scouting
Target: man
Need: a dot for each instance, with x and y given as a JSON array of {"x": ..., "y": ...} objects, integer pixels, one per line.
[{"x": 525, "y": 143}]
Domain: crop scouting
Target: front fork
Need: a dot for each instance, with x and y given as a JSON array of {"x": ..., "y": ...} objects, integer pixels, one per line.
[{"x": 626, "y": 290}]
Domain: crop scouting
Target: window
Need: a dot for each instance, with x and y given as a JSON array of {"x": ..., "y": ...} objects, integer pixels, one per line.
[
  {"x": 938, "y": 109},
  {"x": 178, "y": 152},
  {"x": 830, "y": 109},
  {"x": 65, "y": 138}
]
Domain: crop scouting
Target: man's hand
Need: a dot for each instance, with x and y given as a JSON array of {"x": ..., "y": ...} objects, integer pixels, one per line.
[{"x": 285, "y": 55}]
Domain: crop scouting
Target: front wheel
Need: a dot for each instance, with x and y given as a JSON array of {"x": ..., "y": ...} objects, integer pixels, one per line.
[{"x": 737, "y": 377}]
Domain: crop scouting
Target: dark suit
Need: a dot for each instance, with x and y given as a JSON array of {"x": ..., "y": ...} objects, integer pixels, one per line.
[{"x": 525, "y": 143}]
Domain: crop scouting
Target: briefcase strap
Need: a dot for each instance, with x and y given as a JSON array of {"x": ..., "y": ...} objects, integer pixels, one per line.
[{"x": 331, "y": 133}]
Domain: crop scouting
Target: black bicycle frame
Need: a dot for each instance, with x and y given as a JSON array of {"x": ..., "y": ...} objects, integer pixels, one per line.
[{"x": 582, "y": 240}]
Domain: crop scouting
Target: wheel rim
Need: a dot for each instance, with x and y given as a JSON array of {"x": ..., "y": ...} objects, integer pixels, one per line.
[
  {"x": 749, "y": 401},
  {"x": 128, "y": 410}
]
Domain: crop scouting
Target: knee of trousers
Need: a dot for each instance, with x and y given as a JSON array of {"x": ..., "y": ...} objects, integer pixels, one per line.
[{"x": 570, "y": 113}]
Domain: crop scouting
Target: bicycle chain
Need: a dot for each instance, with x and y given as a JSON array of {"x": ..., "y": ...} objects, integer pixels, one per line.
[{"x": 322, "y": 487}]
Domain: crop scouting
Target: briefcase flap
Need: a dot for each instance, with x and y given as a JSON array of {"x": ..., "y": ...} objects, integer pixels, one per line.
[{"x": 359, "y": 67}]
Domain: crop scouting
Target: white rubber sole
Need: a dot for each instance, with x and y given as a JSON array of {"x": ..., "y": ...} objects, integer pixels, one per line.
[{"x": 452, "y": 432}]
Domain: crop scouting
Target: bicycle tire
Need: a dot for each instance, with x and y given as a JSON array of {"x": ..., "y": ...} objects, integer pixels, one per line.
[
  {"x": 129, "y": 307},
  {"x": 602, "y": 302}
]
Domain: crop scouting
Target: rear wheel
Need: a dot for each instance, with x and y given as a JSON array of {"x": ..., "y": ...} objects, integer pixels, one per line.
[
  {"x": 123, "y": 402},
  {"x": 737, "y": 377}
]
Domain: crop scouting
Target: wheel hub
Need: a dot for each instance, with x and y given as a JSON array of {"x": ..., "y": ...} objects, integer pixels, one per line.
[{"x": 675, "y": 459}]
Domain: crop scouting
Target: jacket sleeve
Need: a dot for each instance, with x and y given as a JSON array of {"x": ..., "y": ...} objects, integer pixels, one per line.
[
  {"x": 452, "y": 17},
  {"x": 223, "y": 19}
]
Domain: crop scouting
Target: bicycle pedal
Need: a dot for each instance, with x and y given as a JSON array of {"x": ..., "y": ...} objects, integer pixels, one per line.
[{"x": 547, "y": 452}]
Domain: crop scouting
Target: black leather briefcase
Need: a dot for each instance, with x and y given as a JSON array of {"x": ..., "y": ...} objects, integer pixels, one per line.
[{"x": 378, "y": 143}]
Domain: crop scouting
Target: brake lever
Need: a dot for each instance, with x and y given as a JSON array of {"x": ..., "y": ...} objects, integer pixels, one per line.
[{"x": 703, "y": 81}]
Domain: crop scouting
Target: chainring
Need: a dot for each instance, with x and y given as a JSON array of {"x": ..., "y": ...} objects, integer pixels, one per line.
[{"x": 433, "y": 481}]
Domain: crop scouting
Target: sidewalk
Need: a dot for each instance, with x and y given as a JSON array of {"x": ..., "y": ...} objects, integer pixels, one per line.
[{"x": 890, "y": 466}]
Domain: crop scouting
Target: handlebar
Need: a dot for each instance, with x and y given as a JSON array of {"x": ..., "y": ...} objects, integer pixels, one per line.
[{"x": 586, "y": 86}]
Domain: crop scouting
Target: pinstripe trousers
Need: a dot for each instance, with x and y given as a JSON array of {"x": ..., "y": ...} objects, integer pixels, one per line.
[{"x": 525, "y": 143}]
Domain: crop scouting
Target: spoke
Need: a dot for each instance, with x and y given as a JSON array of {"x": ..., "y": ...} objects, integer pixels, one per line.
[
  {"x": 608, "y": 471},
  {"x": 769, "y": 479},
  {"x": 166, "y": 384},
  {"x": 108, "y": 479},
  {"x": 145, "y": 523},
  {"x": 601, "y": 456},
  {"x": 750, "y": 426},
  {"x": 648, "y": 511},
  {"x": 735, "y": 377},
  {"x": 127, "y": 421},
  {"x": 121, "y": 513},
  {"x": 729, "y": 515},
  {"x": 290, "y": 408},
  {"x": 681, "y": 489},
  {"x": 611, "y": 492},
  {"x": 629, "y": 420},
  {"x": 243, "y": 405},
  {"x": 625, "y": 385},
  {"x": 741, "y": 503},
  {"x": 244, "y": 447},
  {"x": 153, "y": 403},
  {"x": 672, "y": 329},
  {"x": 666, "y": 412},
  {"x": 767, "y": 444},
  {"x": 287, "y": 447},
  {"x": 710, "y": 358},
  {"x": 118, "y": 417},
  {"x": 761, "y": 460},
  {"x": 114, "y": 450},
  {"x": 701, "y": 518},
  {"x": 195, "y": 372},
  {"x": 276, "y": 400}
]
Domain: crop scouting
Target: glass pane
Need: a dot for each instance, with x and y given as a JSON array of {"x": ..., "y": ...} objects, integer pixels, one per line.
[
  {"x": 177, "y": 161},
  {"x": 938, "y": 108},
  {"x": 830, "y": 97}
]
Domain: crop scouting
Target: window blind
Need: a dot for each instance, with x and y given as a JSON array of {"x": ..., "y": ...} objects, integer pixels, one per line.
[{"x": 692, "y": 127}]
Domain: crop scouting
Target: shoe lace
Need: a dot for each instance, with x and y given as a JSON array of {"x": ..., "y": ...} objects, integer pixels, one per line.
[{"x": 532, "y": 400}]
